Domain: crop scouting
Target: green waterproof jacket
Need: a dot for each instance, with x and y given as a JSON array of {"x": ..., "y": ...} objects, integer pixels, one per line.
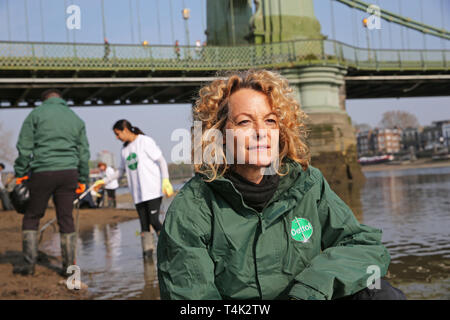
[
  {"x": 305, "y": 244},
  {"x": 53, "y": 138}
]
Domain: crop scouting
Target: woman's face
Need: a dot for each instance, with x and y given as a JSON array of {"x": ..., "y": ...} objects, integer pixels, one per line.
[
  {"x": 122, "y": 135},
  {"x": 254, "y": 126}
]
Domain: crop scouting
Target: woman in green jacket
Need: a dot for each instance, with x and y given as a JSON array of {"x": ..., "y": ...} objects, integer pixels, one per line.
[{"x": 257, "y": 221}]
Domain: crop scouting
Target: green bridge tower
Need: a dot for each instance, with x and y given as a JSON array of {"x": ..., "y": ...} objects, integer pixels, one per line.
[{"x": 320, "y": 89}]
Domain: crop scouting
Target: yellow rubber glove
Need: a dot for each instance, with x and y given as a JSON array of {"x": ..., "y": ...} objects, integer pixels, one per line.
[
  {"x": 99, "y": 183},
  {"x": 167, "y": 188}
]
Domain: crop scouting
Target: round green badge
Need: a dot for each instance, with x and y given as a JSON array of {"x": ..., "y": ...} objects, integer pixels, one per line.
[
  {"x": 301, "y": 229},
  {"x": 132, "y": 161}
]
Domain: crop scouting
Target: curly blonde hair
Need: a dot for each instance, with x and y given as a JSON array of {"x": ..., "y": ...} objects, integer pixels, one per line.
[{"x": 211, "y": 108}]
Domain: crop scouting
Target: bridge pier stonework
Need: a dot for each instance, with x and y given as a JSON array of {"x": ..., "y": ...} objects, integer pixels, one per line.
[{"x": 321, "y": 93}]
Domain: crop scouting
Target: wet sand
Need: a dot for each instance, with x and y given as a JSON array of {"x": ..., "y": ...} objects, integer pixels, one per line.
[
  {"x": 46, "y": 283},
  {"x": 418, "y": 164}
]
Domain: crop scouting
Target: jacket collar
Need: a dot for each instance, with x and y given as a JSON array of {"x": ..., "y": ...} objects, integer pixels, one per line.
[
  {"x": 284, "y": 198},
  {"x": 55, "y": 100}
]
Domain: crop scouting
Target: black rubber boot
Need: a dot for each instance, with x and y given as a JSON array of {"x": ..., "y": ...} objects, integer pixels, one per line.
[
  {"x": 68, "y": 246},
  {"x": 111, "y": 203},
  {"x": 148, "y": 246},
  {"x": 30, "y": 252}
]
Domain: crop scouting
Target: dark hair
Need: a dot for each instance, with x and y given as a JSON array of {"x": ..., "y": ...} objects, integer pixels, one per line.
[
  {"x": 122, "y": 124},
  {"x": 2, "y": 165},
  {"x": 48, "y": 92}
]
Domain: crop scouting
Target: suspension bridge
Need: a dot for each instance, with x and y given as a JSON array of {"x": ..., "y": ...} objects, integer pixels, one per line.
[{"x": 116, "y": 74}]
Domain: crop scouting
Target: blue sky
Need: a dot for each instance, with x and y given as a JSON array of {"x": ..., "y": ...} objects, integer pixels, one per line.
[
  {"x": 157, "y": 21},
  {"x": 162, "y": 27}
]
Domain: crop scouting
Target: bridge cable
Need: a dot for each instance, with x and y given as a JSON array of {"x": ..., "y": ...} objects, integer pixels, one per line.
[
  {"x": 379, "y": 31},
  {"x": 404, "y": 21},
  {"x": 65, "y": 27},
  {"x": 203, "y": 15},
  {"x": 131, "y": 20},
  {"x": 27, "y": 27},
  {"x": 8, "y": 20},
  {"x": 355, "y": 27},
  {"x": 421, "y": 20},
  {"x": 158, "y": 22},
  {"x": 139, "y": 21},
  {"x": 391, "y": 43},
  {"x": 333, "y": 26},
  {"x": 444, "y": 43},
  {"x": 41, "y": 13},
  {"x": 74, "y": 38},
  {"x": 42, "y": 21},
  {"x": 103, "y": 19},
  {"x": 233, "y": 36},
  {"x": 407, "y": 31},
  {"x": 368, "y": 40},
  {"x": 171, "y": 21},
  {"x": 401, "y": 29},
  {"x": 186, "y": 25},
  {"x": 73, "y": 31}
]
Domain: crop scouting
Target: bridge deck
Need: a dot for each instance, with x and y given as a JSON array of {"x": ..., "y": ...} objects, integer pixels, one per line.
[{"x": 162, "y": 74}]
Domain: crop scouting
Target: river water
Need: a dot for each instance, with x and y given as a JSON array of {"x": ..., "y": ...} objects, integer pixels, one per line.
[{"x": 411, "y": 207}]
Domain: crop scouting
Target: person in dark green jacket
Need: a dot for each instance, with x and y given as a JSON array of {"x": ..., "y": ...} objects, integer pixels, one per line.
[
  {"x": 54, "y": 153},
  {"x": 257, "y": 221}
]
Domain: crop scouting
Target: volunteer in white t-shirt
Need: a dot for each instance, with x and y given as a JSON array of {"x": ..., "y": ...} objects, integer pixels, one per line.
[
  {"x": 108, "y": 173},
  {"x": 148, "y": 178}
]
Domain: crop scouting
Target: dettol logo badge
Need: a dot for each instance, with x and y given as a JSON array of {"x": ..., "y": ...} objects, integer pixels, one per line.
[
  {"x": 132, "y": 161},
  {"x": 301, "y": 229}
]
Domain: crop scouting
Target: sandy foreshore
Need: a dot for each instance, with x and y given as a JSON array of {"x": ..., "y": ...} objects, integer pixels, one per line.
[
  {"x": 46, "y": 283},
  {"x": 418, "y": 164}
]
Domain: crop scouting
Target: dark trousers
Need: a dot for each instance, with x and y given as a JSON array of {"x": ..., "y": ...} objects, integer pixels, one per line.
[
  {"x": 386, "y": 292},
  {"x": 59, "y": 184},
  {"x": 111, "y": 193},
  {"x": 149, "y": 214},
  {"x": 4, "y": 196}
]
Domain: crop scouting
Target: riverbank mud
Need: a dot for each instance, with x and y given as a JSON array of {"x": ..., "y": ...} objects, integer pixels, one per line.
[{"x": 46, "y": 283}]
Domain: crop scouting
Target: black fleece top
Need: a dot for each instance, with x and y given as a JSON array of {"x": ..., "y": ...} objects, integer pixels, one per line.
[{"x": 255, "y": 195}]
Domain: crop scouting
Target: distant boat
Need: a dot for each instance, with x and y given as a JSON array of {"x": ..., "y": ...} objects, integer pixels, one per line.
[
  {"x": 440, "y": 157},
  {"x": 376, "y": 159}
]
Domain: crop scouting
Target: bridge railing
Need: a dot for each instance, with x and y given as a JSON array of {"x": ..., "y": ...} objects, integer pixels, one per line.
[{"x": 87, "y": 56}]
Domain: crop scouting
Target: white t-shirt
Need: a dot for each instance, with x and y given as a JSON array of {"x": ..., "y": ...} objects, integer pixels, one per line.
[
  {"x": 108, "y": 174},
  {"x": 144, "y": 175}
]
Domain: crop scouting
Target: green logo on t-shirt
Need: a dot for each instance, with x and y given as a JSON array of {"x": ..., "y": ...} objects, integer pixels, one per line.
[
  {"x": 132, "y": 161},
  {"x": 301, "y": 229}
]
